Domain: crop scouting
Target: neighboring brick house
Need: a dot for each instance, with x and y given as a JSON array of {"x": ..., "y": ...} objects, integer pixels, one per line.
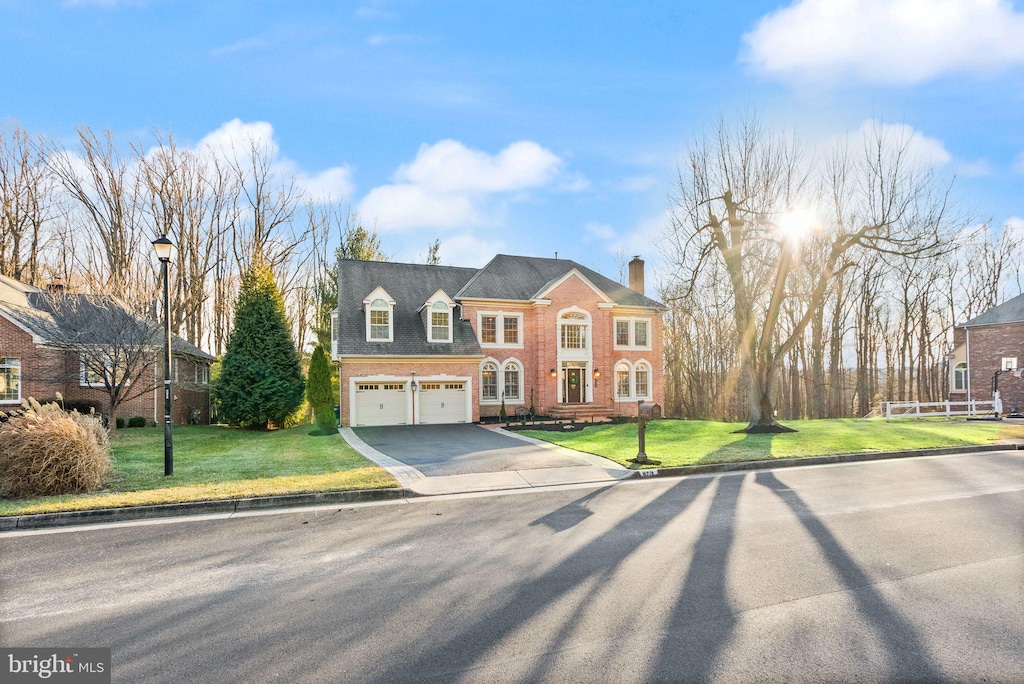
[
  {"x": 34, "y": 363},
  {"x": 423, "y": 344},
  {"x": 991, "y": 342}
]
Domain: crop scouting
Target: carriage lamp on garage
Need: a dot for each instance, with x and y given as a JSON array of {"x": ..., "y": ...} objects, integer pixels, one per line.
[
  {"x": 413, "y": 385},
  {"x": 554, "y": 373}
]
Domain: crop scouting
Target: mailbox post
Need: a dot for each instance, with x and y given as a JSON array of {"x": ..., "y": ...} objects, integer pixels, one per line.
[{"x": 645, "y": 411}]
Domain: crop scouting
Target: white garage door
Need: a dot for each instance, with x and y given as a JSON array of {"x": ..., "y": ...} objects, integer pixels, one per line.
[
  {"x": 380, "y": 403},
  {"x": 443, "y": 402}
]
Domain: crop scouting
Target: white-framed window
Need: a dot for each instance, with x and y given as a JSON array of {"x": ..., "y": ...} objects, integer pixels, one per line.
[
  {"x": 440, "y": 322},
  {"x": 176, "y": 368},
  {"x": 501, "y": 380},
  {"x": 960, "y": 376},
  {"x": 574, "y": 336},
  {"x": 641, "y": 381},
  {"x": 489, "y": 381},
  {"x": 1009, "y": 363},
  {"x": 632, "y": 333},
  {"x": 488, "y": 329},
  {"x": 632, "y": 380},
  {"x": 500, "y": 329},
  {"x": 513, "y": 381},
  {"x": 201, "y": 373},
  {"x": 621, "y": 333},
  {"x": 622, "y": 381},
  {"x": 334, "y": 332},
  {"x": 379, "y": 321},
  {"x": 90, "y": 375},
  {"x": 10, "y": 380}
]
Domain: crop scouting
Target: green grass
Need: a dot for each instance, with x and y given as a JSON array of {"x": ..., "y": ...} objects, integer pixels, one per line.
[
  {"x": 214, "y": 462},
  {"x": 693, "y": 442}
]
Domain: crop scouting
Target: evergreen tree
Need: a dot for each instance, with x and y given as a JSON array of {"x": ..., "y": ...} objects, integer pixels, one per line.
[
  {"x": 261, "y": 379},
  {"x": 318, "y": 390}
]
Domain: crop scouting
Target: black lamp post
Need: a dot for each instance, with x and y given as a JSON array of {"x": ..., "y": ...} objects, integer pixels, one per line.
[{"x": 163, "y": 248}]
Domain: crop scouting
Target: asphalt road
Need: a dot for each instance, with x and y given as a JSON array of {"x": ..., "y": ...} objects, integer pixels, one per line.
[
  {"x": 460, "y": 449},
  {"x": 909, "y": 570}
]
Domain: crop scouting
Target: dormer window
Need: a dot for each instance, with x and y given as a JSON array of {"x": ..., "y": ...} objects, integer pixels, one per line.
[
  {"x": 379, "y": 307},
  {"x": 440, "y": 322},
  {"x": 380, "y": 321}
]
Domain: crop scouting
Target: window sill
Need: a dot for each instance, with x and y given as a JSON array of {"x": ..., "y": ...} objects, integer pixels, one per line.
[
  {"x": 632, "y": 400},
  {"x": 620, "y": 348},
  {"x": 11, "y": 401}
]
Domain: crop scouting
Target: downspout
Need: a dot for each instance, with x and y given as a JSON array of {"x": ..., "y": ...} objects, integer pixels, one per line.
[{"x": 969, "y": 396}]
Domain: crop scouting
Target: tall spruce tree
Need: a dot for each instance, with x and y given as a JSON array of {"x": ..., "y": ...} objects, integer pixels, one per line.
[
  {"x": 261, "y": 380},
  {"x": 318, "y": 390}
]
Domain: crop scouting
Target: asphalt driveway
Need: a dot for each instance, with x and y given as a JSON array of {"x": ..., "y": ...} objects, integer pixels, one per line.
[{"x": 437, "y": 450}]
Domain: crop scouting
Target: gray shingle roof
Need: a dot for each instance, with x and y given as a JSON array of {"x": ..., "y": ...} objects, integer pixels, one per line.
[
  {"x": 57, "y": 318},
  {"x": 519, "y": 277},
  {"x": 1010, "y": 311},
  {"x": 410, "y": 285}
]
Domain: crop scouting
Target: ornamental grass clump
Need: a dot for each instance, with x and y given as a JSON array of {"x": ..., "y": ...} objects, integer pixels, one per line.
[{"x": 45, "y": 451}]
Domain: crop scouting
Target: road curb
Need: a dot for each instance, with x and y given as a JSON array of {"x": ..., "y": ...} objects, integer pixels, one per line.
[
  {"x": 681, "y": 471},
  {"x": 105, "y": 515}
]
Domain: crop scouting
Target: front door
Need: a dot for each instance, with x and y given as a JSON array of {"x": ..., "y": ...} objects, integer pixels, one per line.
[{"x": 573, "y": 391}]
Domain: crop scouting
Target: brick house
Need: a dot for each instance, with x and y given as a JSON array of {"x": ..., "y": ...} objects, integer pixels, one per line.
[
  {"x": 991, "y": 342},
  {"x": 423, "y": 344},
  {"x": 35, "y": 363}
]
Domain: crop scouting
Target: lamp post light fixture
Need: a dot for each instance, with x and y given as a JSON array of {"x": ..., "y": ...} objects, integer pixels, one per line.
[
  {"x": 597, "y": 373},
  {"x": 554, "y": 373},
  {"x": 164, "y": 248}
]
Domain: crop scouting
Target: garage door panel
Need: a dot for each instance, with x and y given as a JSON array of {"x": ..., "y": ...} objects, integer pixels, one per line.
[
  {"x": 381, "y": 404},
  {"x": 442, "y": 402}
]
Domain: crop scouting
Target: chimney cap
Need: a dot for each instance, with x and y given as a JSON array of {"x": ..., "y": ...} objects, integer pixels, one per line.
[{"x": 636, "y": 258}]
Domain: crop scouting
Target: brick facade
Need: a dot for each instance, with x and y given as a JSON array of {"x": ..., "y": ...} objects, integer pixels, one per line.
[
  {"x": 988, "y": 345},
  {"x": 538, "y": 353},
  {"x": 45, "y": 371}
]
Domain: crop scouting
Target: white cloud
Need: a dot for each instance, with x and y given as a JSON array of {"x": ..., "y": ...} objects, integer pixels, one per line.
[
  {"x": 885, "y": 41},
  {"x": 976, "y": 168},
  {"x": 401, "y": 207},
  {"x": 469, "y": 250},
  {"x": 600, "y": 231},
  {"x": 450, "y": 166},
  {"x": 640, "y": 183},
  {"x": 920, "y": 148},
  {"x": 236, "y": 138},
  {"x": 449, "y": 185},
  {"x": 1018, "y": 163}
]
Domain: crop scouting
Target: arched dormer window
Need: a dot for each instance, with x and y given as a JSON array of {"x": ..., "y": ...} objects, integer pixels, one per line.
[
  {"x": 380, "y": 321},
  {"x": 440, "y": 322}
]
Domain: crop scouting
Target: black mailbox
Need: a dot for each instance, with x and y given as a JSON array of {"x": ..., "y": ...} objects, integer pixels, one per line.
[
  {"x": 645, "y": 411},
  {"x": 649, "y": 410}
]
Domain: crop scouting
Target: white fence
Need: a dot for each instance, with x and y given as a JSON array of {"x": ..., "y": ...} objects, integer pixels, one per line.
[{"x": 935, "y": 409}]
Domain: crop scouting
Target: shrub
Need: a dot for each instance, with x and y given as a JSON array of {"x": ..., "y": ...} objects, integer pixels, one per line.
[
  {"x": 260, "y": 381},
  {"x": 120, "y": 423},
  {"x": 318, "y": 390},
  {"x": 46, "y": 451},
  {"x": 136, "y": 421}
]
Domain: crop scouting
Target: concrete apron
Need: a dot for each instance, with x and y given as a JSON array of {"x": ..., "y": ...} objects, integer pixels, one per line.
[{"x": 591, "y": 469}]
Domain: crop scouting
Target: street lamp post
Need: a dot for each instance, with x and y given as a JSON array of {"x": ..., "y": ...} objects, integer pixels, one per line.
[{"x": 163, "y": 248}]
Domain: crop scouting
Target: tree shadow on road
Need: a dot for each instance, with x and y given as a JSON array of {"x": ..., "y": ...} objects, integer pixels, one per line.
[{"x": 908, "y": 656}]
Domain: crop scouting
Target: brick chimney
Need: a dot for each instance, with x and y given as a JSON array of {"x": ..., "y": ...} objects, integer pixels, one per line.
[
  {"x": 636, "y": 274},
  {"x": 55, "y": 286}
]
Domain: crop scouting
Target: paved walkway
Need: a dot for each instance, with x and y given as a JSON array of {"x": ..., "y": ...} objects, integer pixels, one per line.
[{"x": 449, "y": 459}]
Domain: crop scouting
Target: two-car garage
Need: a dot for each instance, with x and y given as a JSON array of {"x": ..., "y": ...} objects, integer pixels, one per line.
[{"x": 393, "y": 401}]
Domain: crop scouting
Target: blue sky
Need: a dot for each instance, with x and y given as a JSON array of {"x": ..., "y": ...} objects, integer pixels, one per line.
[{"x": 524, "y": 127}]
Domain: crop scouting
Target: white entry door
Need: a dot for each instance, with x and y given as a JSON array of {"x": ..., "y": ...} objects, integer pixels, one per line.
[
  {"x": 380, "y": 403},
  {"x": 443, "y": 402}
]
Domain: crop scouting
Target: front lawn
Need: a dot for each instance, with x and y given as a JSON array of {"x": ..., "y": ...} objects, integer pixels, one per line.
[
  {"x": 692, "y": 442},
  {"x": 214, "y": 462}
]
